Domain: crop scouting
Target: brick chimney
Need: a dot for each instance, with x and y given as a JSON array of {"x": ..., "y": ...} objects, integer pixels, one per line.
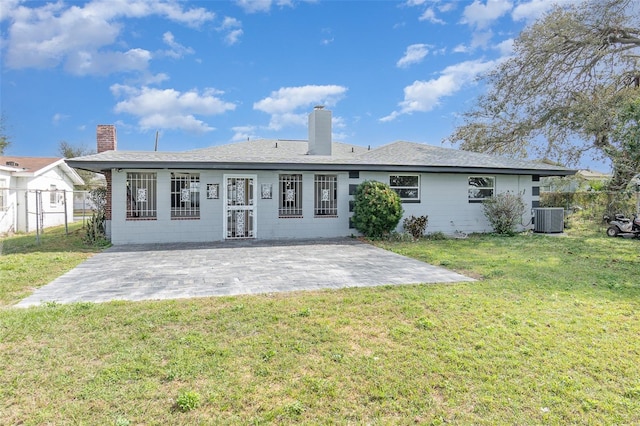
[
  {"x": 106, "y": 137},
  {"x": 106, "y": 141},
  {"x": 320, "y": 131}
]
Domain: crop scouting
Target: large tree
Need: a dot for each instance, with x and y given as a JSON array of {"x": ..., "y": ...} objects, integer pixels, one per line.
[
  {"x": 5, "y": 141},
  {"x": 70, "y": 151},
  {"x": 561, "y": 94}
]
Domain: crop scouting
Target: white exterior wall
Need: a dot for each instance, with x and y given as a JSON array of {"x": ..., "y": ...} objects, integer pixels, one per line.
[
  {"x": 443, "y": 197},
  {"x": 9, "y": 211},
  {"x": 211, "y": 225},
  {"x": 270, "y": 226}
]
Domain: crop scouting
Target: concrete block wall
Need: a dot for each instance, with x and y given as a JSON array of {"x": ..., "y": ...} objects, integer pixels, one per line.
[
  {"x": 211, "y": 224},
  {"x": 443, "y": 197}
]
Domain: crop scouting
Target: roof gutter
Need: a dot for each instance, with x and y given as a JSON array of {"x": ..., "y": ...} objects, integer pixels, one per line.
[{"x": 200, "y": 165}]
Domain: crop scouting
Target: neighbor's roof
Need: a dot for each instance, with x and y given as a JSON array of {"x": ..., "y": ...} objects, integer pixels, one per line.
[
  {"x": 269, "y": 154},
  {"x": 36, "y": 166}
]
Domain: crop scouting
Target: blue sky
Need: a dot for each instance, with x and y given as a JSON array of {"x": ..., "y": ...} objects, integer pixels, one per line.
[{"x": 205, "y": 73}]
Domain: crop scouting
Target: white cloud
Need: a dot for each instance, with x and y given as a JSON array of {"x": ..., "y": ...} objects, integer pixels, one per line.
[
  {"x": 532, "y": 10},
  {"x": 482, "y": 15},
  {"x": 233, "y": 36},
  {"x": 328, "y": 39},
  {"x": 481, "y": 39},
  {"x": 446, "y": 7},
  {"x": 414, "y": 54},
  {"x": 288, "y": 99},
  {"x": 149, "y": 78},
  {"x": 423, "y": 96},
  {"x": 58, "y": 117},
  {"x": 169, "y": 108},
  {"x": 244, "y": 133},
  {"x": 254, "y": 6},
  {"x": 176, "y": 50},
  {"x": 461, "y": 48},
  {"x": 233, "y": 29},
  {"x": 78, "y": 36},
  {"x": 284, "y": 103},
  {"x": 430, "y": 15},
  {"x": 505, "y": 47},
  {"x": 104, "y": 63}
]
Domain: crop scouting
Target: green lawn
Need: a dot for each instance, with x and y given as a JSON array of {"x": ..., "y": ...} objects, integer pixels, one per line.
[
  {"x": 26, "y": 264},
  {"x": 548, "y": 335}
]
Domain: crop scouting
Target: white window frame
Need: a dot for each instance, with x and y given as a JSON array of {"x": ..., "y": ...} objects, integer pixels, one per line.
[
  {"x": 53, "y": 195},
  {"x": 4, "y": 195},
  {"x": 185, "y": 195},
  {"x": 325, "y": 188},
  {"x": 400, "y": 189},
  {"x": 288, "y": 182},
  {"x": 144, "y": 185},
  {"x": 473, "y": 190}
]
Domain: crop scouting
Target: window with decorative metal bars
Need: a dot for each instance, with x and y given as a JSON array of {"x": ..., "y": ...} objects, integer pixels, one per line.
[
  {"x": 185, "y": 195},
  {"x": 326, "y": 195},
  {"x": 290, "y": 191},
  {"x": 141, "y": 195}
]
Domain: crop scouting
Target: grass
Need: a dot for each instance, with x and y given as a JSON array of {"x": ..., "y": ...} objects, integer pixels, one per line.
[
  {"x": 26, "y": 264},
  {"x": 549, "y": 335}
]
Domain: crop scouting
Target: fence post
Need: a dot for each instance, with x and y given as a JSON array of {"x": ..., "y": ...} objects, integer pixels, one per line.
[
  {"x": 38, "y": 207},
  {"x": 66, "y": 215}
]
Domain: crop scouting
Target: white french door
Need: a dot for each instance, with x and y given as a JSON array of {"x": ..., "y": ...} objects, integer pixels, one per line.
[{"x": 240, "y": 208}]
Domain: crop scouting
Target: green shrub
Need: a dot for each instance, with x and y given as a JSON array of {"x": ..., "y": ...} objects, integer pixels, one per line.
[
  {"x": 594, "y": 204},
  {"x": 96, "y": 225},
  {"x": 415, "y": 225},
  {"x": 399, "y": 237},
  {"x": 377, "y": 209},
  {"x": 187, "y": 401},
  {"x": 504, "y": 212}
]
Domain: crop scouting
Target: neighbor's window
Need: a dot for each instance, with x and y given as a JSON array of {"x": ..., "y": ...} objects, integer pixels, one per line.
[
  {"x": 3, "y": 194},
  {"x": 290, "y": 194},
  {"x": 141, "y": 195},
  {"x": 53, "y": 195},
  {"x": 481, "y": 188},
  {"x": 407, "y": 187},
  {"x": 185, "y": 195},
  {"x": 326, "y": 195}
]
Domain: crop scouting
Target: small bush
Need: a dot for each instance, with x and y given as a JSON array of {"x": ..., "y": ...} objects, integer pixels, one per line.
[
  {"x": 187, "y": 401},
  {"x": 436, "y": 236},
  {"x": 377, "y": 209},
  {"x": 415, "y": 225},
  {"x": 398, "y": 237},
  {"x": 96, "y": 225},
  {"x": 504, "y": 212}
]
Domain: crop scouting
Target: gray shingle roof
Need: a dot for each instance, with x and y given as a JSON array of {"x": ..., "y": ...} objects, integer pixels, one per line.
[{"x": 292, "y": 154}]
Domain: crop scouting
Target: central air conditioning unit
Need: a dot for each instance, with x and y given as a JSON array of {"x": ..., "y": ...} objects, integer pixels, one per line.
[{"x": 548, "y": 220}]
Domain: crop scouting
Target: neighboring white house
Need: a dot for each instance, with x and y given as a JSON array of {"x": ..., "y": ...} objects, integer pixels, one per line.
[
  {"x": 272, "y": 189},
  {"x": 34, "y": 192}
]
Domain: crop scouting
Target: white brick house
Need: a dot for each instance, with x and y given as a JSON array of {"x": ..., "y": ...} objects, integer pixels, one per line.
[{"x": 272, "y": 189}]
